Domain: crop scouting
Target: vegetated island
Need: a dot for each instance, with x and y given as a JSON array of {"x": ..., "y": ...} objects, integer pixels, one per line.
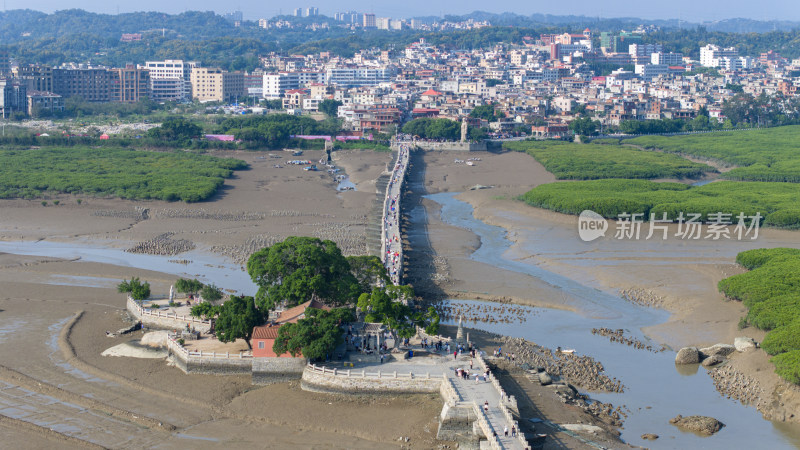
[{"x": 123, "y": 173}]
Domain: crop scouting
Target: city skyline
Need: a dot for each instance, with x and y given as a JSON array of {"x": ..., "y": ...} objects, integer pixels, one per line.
[{"x": 679, "y": 9}]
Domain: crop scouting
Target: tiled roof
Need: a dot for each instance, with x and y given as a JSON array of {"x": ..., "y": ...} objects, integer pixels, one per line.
[
  {"x": 294, "y": 314},
  {"x": 265, "y": 332}
]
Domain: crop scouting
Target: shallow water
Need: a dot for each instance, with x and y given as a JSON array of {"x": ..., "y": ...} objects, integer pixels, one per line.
[
  {"x": 650, "y": 379},
  {"x": 208, "y": 268}
]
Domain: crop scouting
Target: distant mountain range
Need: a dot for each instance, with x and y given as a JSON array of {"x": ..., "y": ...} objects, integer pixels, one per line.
[
  {"x": 739, "y": 25},
  {"x": 25, "y": 24}
]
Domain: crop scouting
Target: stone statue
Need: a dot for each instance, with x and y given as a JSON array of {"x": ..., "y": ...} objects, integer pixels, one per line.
[
  {"x": 464, "y": 128},
  {"x": 172, "y": 293},
  {"x": 460, "y": 332}
]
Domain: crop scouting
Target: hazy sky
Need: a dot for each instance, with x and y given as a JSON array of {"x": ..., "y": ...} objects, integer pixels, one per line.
[{"x": 690, "y": 10}]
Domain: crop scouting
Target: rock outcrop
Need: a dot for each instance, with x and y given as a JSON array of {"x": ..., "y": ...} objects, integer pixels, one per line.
[
  {"x": 743, "y": 344},
  {"x": 699, "y": 424},
  {"x": 718, "y": 349},
  {"x": 713, "y": 360},
  {"x": 688, "y": 355}
]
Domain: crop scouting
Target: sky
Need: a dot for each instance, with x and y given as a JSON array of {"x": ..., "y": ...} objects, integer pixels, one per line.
[{"x": 689, "y": 10}]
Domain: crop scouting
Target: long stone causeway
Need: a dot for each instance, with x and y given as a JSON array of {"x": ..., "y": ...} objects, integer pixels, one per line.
[{"x": 475, "y": 412}]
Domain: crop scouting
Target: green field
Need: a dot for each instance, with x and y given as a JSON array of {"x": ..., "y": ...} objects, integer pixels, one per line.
[
  {"x": 771, "y": 291},
  {"x": 777, "y": 202},
  {"x": 771, "y": 154},
  {"x": 122, "y": 173},
  {"x": 569, "y": 161}
]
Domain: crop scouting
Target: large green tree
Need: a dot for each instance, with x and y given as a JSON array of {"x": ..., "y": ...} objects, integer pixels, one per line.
[
  {"x": 176, "y": 129},
  {"x": 211, "y": 293},
  {"x": 315, "y": 336},
  {"x": 583, "y": 126},
  {"x": 369, "y": 272},
  {"x": 300, "y": 269},
  {"x": 330, "y": 107},
  {"x": 186, "y": 286},
  {"x": 236, "y": 319},
  {"x": 387, "y": 306}
]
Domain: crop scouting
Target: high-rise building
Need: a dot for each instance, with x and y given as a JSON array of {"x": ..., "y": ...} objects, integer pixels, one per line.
[
  {"x": 382, "y": 23},
  {"x": 13, "y": 98},
  {"x": 710, "y": 55},
  {"x": 298, "y": 12},
  {"x": 92, "y": 85},
  {"x": 311, "y": 12},
  {"x": 275, "y": 85},
  {"x": 670, "y": 59},
  {"x": 35, "y": 77},
  {"x": 369, "y": 21},
  {"x": 358, "y": 76},
  {"x": 217, "y": 85},
  {"x": 170, "y": 80},
  {"x": 129, "y": 85}
]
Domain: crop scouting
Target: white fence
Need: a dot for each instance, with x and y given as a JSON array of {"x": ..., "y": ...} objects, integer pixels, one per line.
[
  {"x": 177, "y": 348},
  {"x": 364, "y": 374},
  {"x": 163, "y": 318}
]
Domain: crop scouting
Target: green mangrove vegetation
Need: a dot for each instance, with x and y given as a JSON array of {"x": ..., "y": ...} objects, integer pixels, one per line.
[
  {"x": 771, "y": 291},
  {"x": 570, "y": 161},
  {"x": 769, "y": 154},
  {"x": 776, "y": 202},
  {"x": 123, "y": 173}
]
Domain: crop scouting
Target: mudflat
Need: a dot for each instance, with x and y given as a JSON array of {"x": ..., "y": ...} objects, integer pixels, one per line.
[{"x": 59, "y": 390}]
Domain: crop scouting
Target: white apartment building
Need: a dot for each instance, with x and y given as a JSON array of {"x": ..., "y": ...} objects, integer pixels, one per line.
[
  {"x": 170, "y": 80},
  {"x": 711, "y": 54},
  {"x": 650, "y": 71},
  {"x": 670, "y": 59},
  {"x": 276, "y": 84},
  {"x": 358, "y": 76}
]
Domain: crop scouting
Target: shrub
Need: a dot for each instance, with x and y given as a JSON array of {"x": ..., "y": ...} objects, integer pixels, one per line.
[
  {"x": 787, "y": 365},
  {"x": 569, "y": 161},
  {"x": 137, "y": 289},
  {"x": 782, "y": 339},
  {"x": 774, "y": 312}
]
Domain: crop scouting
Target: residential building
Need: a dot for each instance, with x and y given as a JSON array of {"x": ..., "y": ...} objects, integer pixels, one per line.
[
  {"x": 670, "y": 59},
  {"x": 275, "y": 85},
  {"x": 216, "y": 85},
  {"x": 170, "y": 80},
  {"x": 358, "y": 76},
  {"x": 369, "y": 21},
  {"x": 13, "y": 98},
  {"x": 92, "y": 85},
  {"x": 129, "y": 85},
  {"x": 710, "y": 55},
  {"x": 39, "y": 101},
  {"x": 35, "y": 77}
]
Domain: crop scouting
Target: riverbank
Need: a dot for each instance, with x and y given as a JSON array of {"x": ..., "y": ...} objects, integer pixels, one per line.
[{"x": 677, "y": 276}]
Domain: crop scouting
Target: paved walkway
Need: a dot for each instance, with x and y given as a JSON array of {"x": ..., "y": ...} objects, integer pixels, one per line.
[
  {"x": 469, "y": 390},
  {"x": 392, "y": 245}
]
